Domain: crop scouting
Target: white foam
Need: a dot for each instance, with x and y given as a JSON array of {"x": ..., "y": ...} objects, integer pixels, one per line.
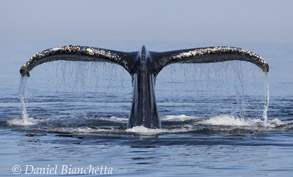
[
  {"x": 118, "y": 119},
  {"x": 22, "y": 122},
  {"x": 229, "y": 120},
  {"x": 147, "y": 131},
  {"x": 144, "y": 130},
  {"x": 276, "y": 122},
  {"x": 226, "y": 120},
  {"x": 178, "y": 117},
  {"x": 86, "y": 130},
  {"x": 114, "y": 119}
]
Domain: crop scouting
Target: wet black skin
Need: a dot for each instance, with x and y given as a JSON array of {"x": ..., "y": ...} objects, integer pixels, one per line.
[
  {"x": 144, "y": 67},
  {"x": 144, "y": 107}
]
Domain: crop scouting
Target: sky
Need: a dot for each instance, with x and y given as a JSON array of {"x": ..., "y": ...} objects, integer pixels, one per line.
[{"x": 219, "y": 21}]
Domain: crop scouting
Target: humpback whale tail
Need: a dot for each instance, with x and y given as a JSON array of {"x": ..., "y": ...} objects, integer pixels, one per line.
[{"x": 143, "y": 66}]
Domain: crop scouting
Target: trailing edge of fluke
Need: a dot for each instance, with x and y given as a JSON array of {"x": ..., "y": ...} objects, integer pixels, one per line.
[{"x": 143, "y": 66}]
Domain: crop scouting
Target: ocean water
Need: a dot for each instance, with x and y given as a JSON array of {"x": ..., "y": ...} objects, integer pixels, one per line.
[{"x": 219, "y": 119}]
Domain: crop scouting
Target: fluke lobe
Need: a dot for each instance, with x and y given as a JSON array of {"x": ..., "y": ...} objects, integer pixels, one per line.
[{"x": 143, "y": 66}]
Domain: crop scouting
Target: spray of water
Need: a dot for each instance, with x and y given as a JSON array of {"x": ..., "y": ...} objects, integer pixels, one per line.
[{"x": 267, "y": 101}]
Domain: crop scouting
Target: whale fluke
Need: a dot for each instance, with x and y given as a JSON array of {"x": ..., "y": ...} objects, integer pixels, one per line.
[
  {"x": 144, "y": 67},
  {"x": 79, "y": 53},
  {"x": 207, "y": 55}
]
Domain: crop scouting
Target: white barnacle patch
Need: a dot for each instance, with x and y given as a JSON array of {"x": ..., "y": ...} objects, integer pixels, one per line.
[
  {"x": 208, "y": 51},
  {"x": 35, "y": 56},
  {"x": 181, "y": 55},
  {"x": 101, "y": 52},
  {"x": 186, "y": 54},
  {"x": 66, "y": 48},
  {"x": 215, "y": 50},
  {"x": 55, "y": 49},
  {"x": 69, "y": 48},
  {"x": 200, "y": 52},
  {"x": 233, "y": 50},
  {"x": 220, "y": 48},
  {"x": 228, "y": 49},
  {"x": 192, "y": 52},
  {"x": 75, "y": 48},
  {"x": 108, "y": 54},
  {"x": 40, "y": 55},
  {"x": 242, "y": 51},
  {"x": 261, "y": 60},
  {"x": 89, "y": 51}
]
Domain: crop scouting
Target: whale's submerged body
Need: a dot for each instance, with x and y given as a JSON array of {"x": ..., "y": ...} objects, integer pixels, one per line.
[{"x": 143, "y": 66}]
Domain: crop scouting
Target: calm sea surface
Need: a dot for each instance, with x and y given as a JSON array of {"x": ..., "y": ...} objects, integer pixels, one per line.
[{"x": 212, "y": 115}]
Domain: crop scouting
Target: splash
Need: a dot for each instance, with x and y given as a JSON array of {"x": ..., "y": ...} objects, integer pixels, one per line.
[
  {"x": 267, "y": 101},
  {"x": 233, "y": 121},
  {"x": 227, "y": 120}
]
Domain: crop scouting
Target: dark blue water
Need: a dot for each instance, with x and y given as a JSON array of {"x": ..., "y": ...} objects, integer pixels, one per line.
[{"x": 212, "y": 117}]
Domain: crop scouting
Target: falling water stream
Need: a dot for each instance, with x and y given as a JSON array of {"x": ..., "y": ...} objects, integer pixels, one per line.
[
  {"x": 267, "y": 101},
  {"x": 22, "y": 96}
]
